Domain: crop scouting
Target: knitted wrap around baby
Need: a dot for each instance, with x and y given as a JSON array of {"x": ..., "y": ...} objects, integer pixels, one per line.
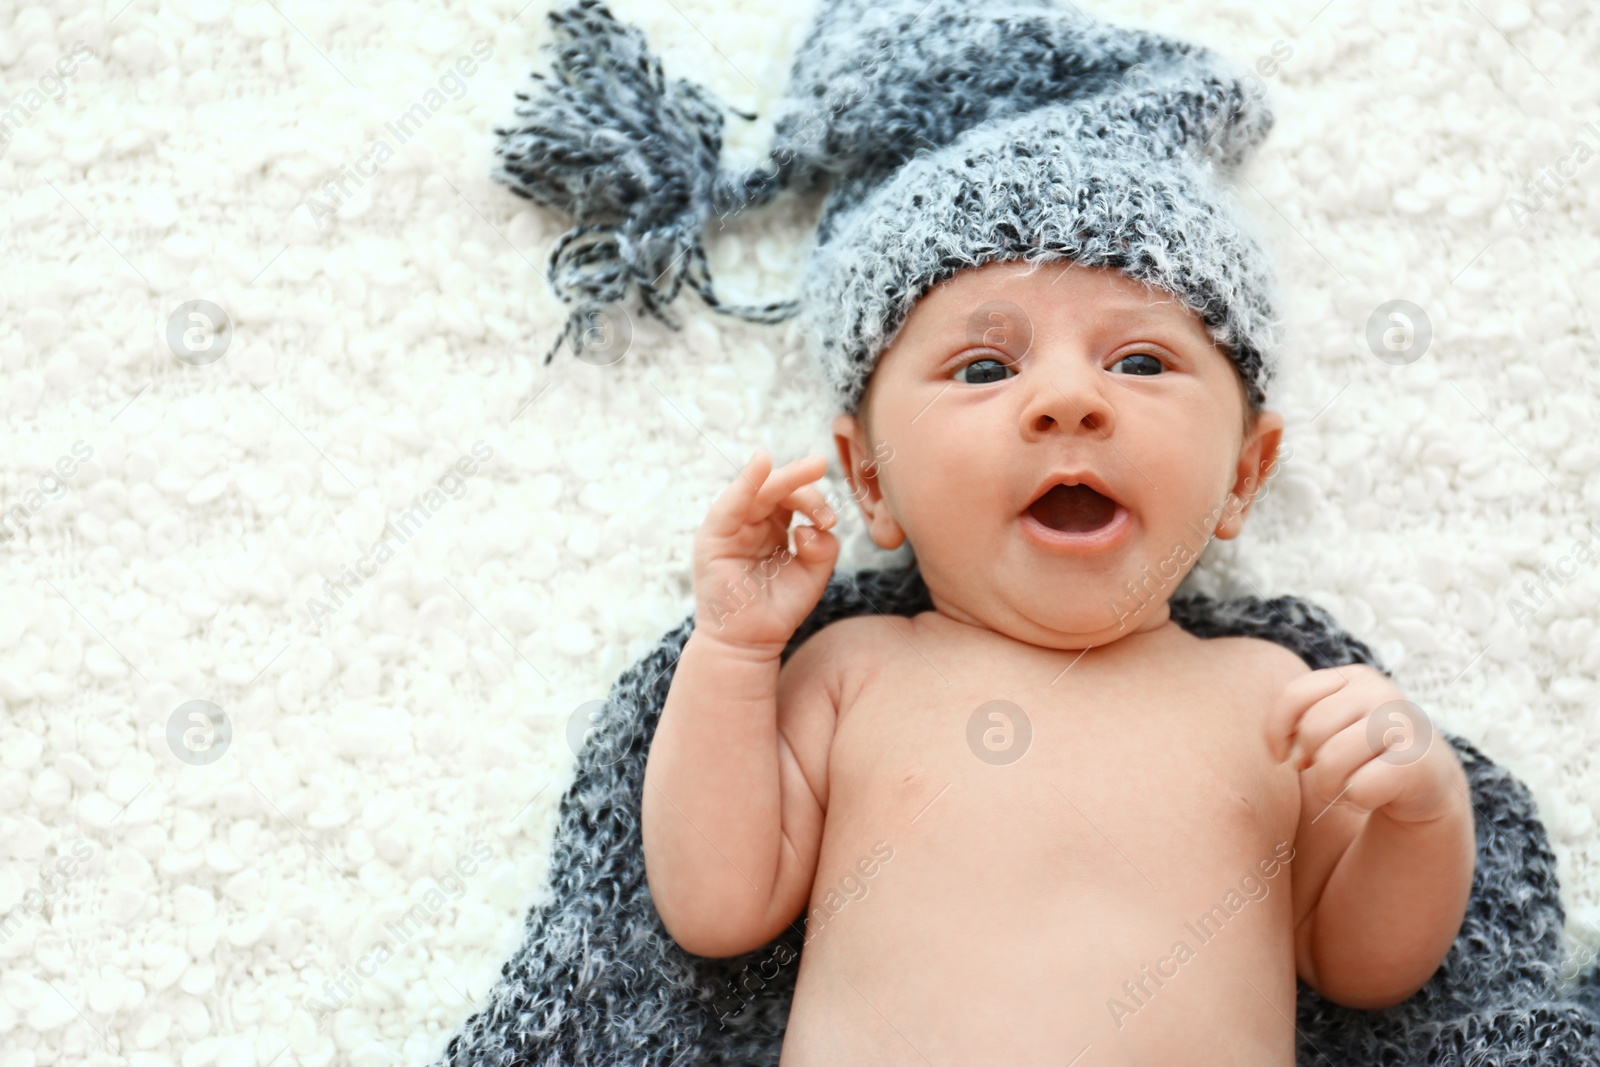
[{"x": 598, "y": 980}]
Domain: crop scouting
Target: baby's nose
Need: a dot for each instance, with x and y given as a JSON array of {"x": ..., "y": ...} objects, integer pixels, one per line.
[{"x": 1067, "y": 395}]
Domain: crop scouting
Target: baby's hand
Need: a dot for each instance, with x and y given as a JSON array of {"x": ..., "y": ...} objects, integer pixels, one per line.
[
  {"x": 1365, "y": 743},
  {"x": 751, "y": 589}
]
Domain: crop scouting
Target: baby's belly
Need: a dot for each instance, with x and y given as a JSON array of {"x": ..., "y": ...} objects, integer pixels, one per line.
[{"x": 1092, "y": 904}]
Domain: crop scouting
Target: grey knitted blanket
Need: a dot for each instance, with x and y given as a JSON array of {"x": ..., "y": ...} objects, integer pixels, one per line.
[{"x": 598, "y": 980}]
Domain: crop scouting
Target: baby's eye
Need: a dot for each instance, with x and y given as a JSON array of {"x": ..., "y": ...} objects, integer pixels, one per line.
[
  {"x": 1146, "y": 365},
  {"x": 989, "y": 373}
]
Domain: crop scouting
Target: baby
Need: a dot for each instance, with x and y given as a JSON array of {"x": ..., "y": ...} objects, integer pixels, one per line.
[{"x": 1040, "y": 823}]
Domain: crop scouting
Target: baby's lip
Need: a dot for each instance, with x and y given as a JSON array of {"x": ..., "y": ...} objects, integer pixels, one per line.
[
  {"x": 1104, "y": 538},
  {"x": 1074, "y": 477}
]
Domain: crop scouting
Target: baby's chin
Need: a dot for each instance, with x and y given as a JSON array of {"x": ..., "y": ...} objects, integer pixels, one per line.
[
  {"x": 1031, "y": 616},
  {"x": 1080, "y": 629}
]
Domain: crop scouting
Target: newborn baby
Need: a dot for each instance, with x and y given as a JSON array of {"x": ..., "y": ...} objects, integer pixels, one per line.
[{"x": 1040, "y": 823}]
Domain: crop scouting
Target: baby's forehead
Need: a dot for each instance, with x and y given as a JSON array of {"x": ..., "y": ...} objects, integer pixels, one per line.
[
  {"x": 1100, "y": 284},
  {"x": 1018, "y": 295}
]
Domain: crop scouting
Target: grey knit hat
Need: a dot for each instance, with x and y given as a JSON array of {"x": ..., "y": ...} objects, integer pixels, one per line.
[{"x": 951, "y": 136}]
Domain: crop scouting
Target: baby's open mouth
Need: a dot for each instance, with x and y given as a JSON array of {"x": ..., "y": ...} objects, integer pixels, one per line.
[{"x": 1073, "y": 509}]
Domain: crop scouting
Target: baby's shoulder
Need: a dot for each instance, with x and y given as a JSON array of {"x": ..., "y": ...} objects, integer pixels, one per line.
[
  {"x": 824, "y": 673},
  {"x": 844, "y": 637},
  {"x": 846, "y": 653},
  {"x": 1258, "y": 656}
]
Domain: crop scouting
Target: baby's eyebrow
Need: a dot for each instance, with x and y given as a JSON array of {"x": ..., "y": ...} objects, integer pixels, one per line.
[
  {"x": 1174, "y": 327},
  {"x": 1152, "y": 310},
  {"x": 1118, "y": 315}
]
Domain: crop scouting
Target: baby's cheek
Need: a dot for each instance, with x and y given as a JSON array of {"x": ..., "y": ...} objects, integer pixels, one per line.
[{"x": 1177, "y": 498}]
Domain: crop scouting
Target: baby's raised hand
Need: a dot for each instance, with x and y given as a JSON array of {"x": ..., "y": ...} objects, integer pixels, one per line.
[
  {"x": 751, "y": 589},
  {"x": 1365, "y": 745}
]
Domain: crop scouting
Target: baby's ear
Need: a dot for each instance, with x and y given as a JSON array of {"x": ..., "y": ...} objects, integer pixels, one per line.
[
  {"x": 861, "y": 465},
  {"x": 861, "y": 476},
  {"x": 1258, "y": 461}
]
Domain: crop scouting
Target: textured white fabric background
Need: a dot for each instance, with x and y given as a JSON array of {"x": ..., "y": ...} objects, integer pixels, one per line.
[{"x": 423, "y": 729}]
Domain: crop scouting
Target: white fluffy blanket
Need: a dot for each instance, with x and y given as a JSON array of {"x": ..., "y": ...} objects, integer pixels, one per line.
[{"x": 396, "y": 556}]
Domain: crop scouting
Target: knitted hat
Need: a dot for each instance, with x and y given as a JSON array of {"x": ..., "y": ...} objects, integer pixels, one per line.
[{"x": 951, "y": 135}]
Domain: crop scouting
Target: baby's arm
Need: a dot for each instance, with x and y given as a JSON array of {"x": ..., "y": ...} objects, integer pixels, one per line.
[
  {"x": 1381, "y": 877},
  {"x": 735, "y": 789},
  {"x": 730, "y": 822}
]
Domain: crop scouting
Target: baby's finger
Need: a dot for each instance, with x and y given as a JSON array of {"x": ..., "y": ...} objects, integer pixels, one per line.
[
  {"x": 809, "y": 501},
  {"x": 780, "y": 488},
  {"x": 1345, "y": 753},
  {"x": 813, "y": 545},
  {"x": 1292, "y": 702},
  {"x": 785, "y": 480},
  {"x": 728, "y": 511},
  {"x": 1333, "y": 713},
  {"x": 815, "y": 553},
  {"x": 1376, "y": 784}
]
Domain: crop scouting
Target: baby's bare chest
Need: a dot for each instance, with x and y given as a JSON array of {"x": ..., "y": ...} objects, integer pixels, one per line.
[
  {"x": 1163, "y": 755},
  {"x": 1039, "y": 831}
]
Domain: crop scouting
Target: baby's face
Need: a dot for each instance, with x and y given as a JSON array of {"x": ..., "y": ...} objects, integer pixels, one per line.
[{"x": 1002, "y": 382}]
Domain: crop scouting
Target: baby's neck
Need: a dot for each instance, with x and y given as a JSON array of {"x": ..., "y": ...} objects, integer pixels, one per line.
[{"x": 1154, "y": 620}]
